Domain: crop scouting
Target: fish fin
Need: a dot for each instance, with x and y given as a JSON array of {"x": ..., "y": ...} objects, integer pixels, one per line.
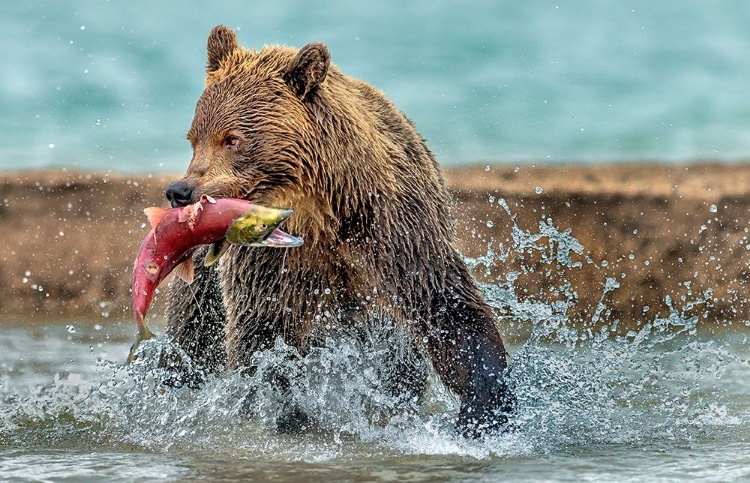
[
  {"x": 146, "y": 333},
  {"x": 186, "y": 270},
  {"x": 215, "y": 252},
  {"x": 143, "y": 334},
  {"x": 133, "y": 350},
  {"x": 155, "y": 215}
]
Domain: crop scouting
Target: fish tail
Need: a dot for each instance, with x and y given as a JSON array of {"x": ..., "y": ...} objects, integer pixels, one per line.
[{"x": 144, "y": 333}]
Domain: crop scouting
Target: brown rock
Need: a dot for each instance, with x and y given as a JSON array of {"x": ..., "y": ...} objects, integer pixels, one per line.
[{"x": 86, "y": 271}]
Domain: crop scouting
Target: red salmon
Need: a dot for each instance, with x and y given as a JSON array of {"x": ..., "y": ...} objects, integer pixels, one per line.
[{"x": 176, "y": 233}]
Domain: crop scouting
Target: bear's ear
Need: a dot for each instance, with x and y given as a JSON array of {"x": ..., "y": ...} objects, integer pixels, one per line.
[
  {"x": 307, "y": 69},
  {"x": 222, "y": 41}
]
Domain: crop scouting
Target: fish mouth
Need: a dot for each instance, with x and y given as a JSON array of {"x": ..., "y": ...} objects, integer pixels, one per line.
[{"x": 281, "y": 239}]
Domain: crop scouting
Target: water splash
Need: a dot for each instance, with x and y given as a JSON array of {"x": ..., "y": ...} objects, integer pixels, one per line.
[{"x": 583, "y": 381}]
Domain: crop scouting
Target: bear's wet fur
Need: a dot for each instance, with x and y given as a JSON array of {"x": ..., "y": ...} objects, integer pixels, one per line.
[{"x": 285, "y": 128}]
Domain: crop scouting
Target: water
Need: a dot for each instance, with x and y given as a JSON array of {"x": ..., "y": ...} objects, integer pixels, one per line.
[
  {"x": 675, "y": 411},
  {"x": 97, "y": 85},
  {"x": 663, "y": 398}
]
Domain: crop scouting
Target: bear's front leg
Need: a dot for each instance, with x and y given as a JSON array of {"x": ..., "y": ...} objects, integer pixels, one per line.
[
  {"x": 472, "y": 363},
  {"x": 486, "y": 401},
  {"x": 468, "y": 353}
]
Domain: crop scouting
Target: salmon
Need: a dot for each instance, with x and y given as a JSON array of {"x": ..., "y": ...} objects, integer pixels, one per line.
[{"x": 177, "y": 232}]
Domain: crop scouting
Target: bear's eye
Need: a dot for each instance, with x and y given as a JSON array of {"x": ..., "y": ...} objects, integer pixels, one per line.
[{"x": 231, "y": 142}]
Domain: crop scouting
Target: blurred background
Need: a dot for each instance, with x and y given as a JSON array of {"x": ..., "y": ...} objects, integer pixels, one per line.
[{"x": 103, "y": 85}]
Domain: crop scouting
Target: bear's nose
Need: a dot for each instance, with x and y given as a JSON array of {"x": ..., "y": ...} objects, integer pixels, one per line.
[{"x": 179, "y": 193}]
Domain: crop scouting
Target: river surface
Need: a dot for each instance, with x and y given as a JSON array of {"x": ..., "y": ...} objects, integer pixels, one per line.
[{"x": 665, "y": 399}]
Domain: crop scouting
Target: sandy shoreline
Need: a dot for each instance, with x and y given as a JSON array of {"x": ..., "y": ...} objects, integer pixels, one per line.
[{"x": 680, "y": 231}]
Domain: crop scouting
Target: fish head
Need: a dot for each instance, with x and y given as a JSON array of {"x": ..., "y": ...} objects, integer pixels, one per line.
[{"x": 259, "y": 226}]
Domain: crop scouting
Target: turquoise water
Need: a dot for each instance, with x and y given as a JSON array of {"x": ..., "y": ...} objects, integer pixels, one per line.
[{"x": 112, "y": 85}]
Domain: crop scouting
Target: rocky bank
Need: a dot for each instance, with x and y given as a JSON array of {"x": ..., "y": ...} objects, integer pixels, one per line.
[{"x": 673, "y": 237}]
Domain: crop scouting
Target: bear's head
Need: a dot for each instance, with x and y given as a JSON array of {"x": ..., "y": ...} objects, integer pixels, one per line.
[
  {"x": 285, "y": 128},
  {"x": 257, "y": 126}
]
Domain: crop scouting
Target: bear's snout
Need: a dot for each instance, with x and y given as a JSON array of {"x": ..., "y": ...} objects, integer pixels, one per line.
[{"x": 179, "y": 193}]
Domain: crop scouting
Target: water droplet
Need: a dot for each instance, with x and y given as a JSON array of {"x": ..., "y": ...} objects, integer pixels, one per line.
[
  {"x": 490, "y": 224},
  {"x": 539, "y": 190},
  {"x": 71, "y": 329},
  {"x": 51, "y": 145},
  {"x": 713, "y": 209}
]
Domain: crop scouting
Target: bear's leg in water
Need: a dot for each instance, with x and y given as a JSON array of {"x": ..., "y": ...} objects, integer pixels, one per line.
[{"x": 468, "y": 353}]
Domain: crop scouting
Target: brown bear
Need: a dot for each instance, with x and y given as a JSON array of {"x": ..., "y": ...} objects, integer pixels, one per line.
[{"x": 285, "y": 128}]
